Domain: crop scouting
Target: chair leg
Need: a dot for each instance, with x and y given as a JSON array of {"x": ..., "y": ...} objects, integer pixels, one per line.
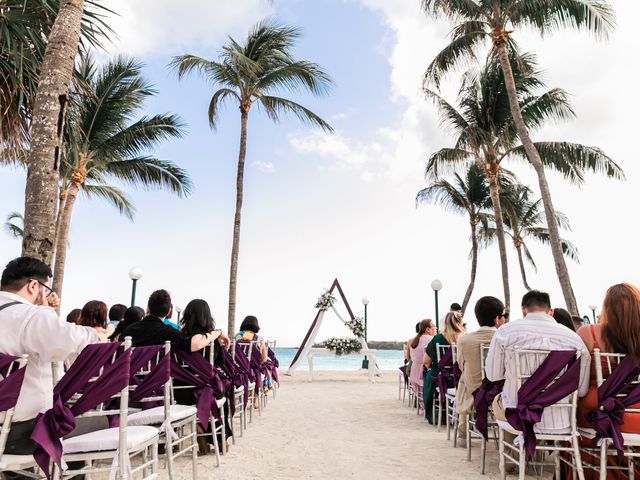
[
  {"x": 456, "y": 428},
  {"x": 468, "y": 441},
  {"x": 194, "y": 448},
  {"x": 154, "y": 457},
  {"x": 522, "y": 461},
  {"x": 577, "y": 458},
  {"x": 223, "y": 429},
  {"x": 603, "y": 460},
  {"x": 632, "y": 468},
  {"x": 483, "y": 455},
  {"x": 501, "y": 462},
  {"x": 556, "y": 458}
]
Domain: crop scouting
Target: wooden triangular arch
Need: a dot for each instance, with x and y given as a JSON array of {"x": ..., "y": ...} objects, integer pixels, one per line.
[{"x": 335, "y": 285}]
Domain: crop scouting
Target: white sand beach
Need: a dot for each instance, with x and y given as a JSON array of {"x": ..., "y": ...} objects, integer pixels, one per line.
[{"x": 341, "y": 426}]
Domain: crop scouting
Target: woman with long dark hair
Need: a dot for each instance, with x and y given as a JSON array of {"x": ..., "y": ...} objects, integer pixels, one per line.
[{"x": 198, "y": 320}]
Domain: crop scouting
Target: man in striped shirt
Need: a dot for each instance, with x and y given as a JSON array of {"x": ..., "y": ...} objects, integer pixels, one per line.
[{"x": 537, "y": 330}]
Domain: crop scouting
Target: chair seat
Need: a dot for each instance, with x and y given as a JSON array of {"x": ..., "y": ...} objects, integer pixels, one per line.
[
  {"x": 16, "y": 461},
  {"x": 630, "y": 439},
  {"x": 507, "y": 427},
  {"x": 103, "y": 440},
  {"x": 451, "y": 392},
  {"x": 239, "y": 389},
  {"x": 155, "y": 416},
  {"x": 221, "y": 402}
]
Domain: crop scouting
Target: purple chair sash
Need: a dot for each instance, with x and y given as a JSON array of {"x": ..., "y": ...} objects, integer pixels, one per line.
[
  {"x": 273, "y": 364},
  {"x": 53, "y": 425},
  {"x": 482, "y": 398},
  {"x": 610, "y": 414},
  {"x": 446, "y": 374},
  {"x": 152, "y": 384},
  {"x": 532, "y": 400},
  {"x": 12, "y": 383},
  {"x": 201, "y": 375}
]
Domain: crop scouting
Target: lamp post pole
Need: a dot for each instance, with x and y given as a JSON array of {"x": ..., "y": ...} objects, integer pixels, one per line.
[
  {"x": 436, "y": 285},
  {"x": 593, "y": 311},
  {"x": 365, "y": 302},
  {"x": 135, "y": 274},
  {"x": 179, "y": 310}
]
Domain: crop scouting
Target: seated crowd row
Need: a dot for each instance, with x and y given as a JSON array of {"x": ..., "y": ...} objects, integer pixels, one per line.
[
  {"x": 29, "y": 325},
  {"x": 485, "y": 361}
]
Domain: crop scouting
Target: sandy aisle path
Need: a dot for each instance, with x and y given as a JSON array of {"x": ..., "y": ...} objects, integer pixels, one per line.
[{"x": 341, "y": 426}]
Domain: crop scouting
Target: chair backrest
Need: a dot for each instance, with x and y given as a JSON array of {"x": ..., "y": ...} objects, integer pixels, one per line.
[
  {"x": 484, "y": 351},
  {"x": 150, "y": 375},
  {"x": 527, "y": 362},
  {"x": 441, "y": 351},
  {"x": 610, "y": 361},
  {"x": 247, "y": 348},
  {"x": 271, "y": 344},
  {"x": 12, "y": 372}
]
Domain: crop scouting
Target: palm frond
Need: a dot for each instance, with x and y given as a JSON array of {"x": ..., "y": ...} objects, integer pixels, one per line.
[
  {"x": 112, "y": 195},
  {"x": 275, "y": 106},
  {"x": 149, "y": 172},
  {"x": 13, "y": 225},
  {"x": 217, "y": 100}
]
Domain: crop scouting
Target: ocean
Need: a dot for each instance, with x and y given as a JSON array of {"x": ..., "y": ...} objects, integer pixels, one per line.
[{"x": 386, "y": 360}]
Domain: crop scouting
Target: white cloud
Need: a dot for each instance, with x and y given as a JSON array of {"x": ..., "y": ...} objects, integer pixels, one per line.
[
  {"x": 264, "y": 167},
  {"x": 148, "y": 27}
]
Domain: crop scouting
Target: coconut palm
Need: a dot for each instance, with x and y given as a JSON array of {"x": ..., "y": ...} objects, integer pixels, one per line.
[
  {"x": 252, "y": 73},
  {"x": 525, "y": 219},
  {"x": 485, "y": 133},
  {"x": 468, "y": 194},
  {"x": 13, "y": 225},
  {"x": 107, "y": 143},
  {"x": 478, "y": 21}
]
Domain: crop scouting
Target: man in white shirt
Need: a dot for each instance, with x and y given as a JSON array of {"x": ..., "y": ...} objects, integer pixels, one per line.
[
  {"x": 537, "y": 330},
  {"x": 29, "y": 325}
]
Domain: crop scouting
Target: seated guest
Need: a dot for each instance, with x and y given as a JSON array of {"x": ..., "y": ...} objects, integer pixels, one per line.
[
  {"x": 74, "y": 316},
  {"x": 453, "y": 329},
  {"x": 537, "y": 330},
  {"x": 94, "y": 315},
  {"x": 617, "y": 332},
  {"x": 167, "y": 320},
  {"x": 426, "y": 331},
  {"x": 249, "y": 329},
  {"x": 197, "y": 320},
  {"x": 152, "y": 331},
  {"x": 29, "y": 325},
  {"x": 563, "y": 318},
  {"x": 489, "y": 312},
  {"x": 577, "y": 322},
  {"x": 116, "y": 314},
  {"x": 131, "y": 316}
]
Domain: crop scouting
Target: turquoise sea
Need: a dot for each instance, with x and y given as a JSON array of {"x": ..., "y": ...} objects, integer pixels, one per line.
[{"x": 386, "y": 360}]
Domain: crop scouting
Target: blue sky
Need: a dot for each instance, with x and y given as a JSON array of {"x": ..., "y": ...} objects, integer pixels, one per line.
[{"x": 319, "y": 206}]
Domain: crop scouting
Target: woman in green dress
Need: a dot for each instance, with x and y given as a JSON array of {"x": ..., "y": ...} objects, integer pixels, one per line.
[{"x": 453, "y": 328}]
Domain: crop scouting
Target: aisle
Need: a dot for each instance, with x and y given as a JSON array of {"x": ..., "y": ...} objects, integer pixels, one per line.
[{"x": 341, "y": 427}]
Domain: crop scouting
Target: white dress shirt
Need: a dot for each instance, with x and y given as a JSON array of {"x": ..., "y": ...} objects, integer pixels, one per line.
[
  {"x": 535, "y": 331},
  {"x": 38, "y": 332}
]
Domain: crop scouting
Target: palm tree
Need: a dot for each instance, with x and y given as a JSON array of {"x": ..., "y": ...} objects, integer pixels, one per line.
[
  {"x": 480, "y": 20},
  {"x": 525, "y": 219},
  {"x": 105, "y": 142},
  {"x": 466, "y": 195},
  {"x": 46, "y": 129},
  {"x": 253, "y": 73},
  {"x": 485, "y": 133},
  {"x": 13, "y": 225}
]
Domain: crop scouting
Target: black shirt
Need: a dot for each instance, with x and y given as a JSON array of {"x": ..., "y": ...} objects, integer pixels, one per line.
[{"x": 152, "y": 331}]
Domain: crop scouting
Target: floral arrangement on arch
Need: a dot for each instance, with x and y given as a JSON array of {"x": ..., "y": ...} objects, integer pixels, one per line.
[
  {"x": 356, "y": 326},
  {"x": 342, "y": 346},
  {"x": 325, "y": 301}
]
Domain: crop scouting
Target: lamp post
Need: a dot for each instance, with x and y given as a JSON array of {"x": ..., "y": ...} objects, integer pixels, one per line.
[
  {"x": 436, "y": 286},
  {"x": 593, "y": 311},
  {"x": 135, "y": 274},
  {"x": 179, "y": 310},
  {"x": 365, "y": 302}
]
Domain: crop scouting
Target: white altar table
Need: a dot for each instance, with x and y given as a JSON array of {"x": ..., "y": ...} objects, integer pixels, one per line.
[{"x": 371, "y": 355}]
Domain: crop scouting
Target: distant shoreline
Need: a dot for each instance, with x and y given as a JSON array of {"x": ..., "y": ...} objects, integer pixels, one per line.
[{"x": 373, "y": 344}]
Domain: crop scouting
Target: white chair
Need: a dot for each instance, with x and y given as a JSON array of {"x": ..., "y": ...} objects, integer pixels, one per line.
[
  {"x": 117, "y": 445},
  {"x": 8, "y": 462},
  {"x": 527, "y": 362},
  {"x": 450, "y": 397},
  {"x": 471, "y": 421},
  {"x": 437, "y": 405},
  {"x": 271, "y": 344},
  {"x": 171, "y": 420},
  {"x": 631, "y": 440},
  {"x": 255, "y": 390}
]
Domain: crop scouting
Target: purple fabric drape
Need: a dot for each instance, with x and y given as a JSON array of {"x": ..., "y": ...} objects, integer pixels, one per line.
[
  {"x": 240, "y": 378},
  {"x": 446, "y": 374},
  {"x": 195, "y": 370},
  {"x": 610, "y": 414},
  {"x": 542, "y": 390},
  {"x": 273, "y": 365},
  {"x": 227, "y": 373},
  {"x": 153, "y": 382},
  {"x": 11, "y": 383},
  {"x": 482, "y": 398},
  {"x": 51, "y": 426}
]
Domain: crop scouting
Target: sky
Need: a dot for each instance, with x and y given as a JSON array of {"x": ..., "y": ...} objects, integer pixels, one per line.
[{"x": 320, "y": 206}]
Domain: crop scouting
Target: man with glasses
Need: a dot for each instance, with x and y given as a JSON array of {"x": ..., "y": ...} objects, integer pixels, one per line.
[
  {"x": 29, "y": 325},
  {"x": 489, "y": 312}
]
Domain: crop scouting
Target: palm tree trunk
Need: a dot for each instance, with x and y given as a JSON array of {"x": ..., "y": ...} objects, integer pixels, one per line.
[
  {"x": 62, "y": 241},
  {"x": 41, "y": 193},
  {"x": 474, "y": 265},
  {"x": 538, "y": 166},
  {"x": 522, "y": 270},
  {"x": 494, "y": 189},
  {"x": 235, "y": 249}
]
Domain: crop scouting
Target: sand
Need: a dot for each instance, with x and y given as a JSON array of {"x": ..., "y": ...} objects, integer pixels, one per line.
[{"x": 340, "y": 426}]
